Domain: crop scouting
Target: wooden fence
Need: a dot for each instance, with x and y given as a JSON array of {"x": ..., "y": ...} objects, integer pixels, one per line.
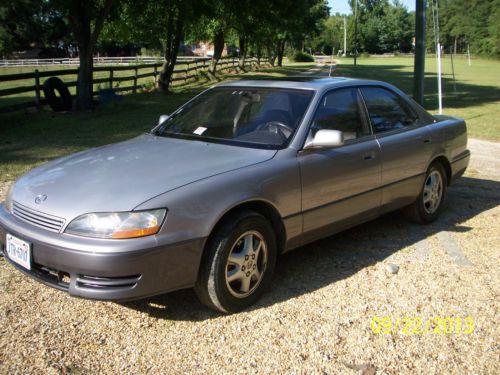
[{"x": 184, "y": 71}]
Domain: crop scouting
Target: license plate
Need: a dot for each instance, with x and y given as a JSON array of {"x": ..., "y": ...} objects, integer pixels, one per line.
[{"x": 19, "y": 251}]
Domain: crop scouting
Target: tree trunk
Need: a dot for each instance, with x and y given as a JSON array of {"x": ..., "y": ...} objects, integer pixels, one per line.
[
  {"x": 174, "y": 37},
  {"x": 243, "y": 52},
  {"x": 270, "y": 55},
  {"x": 84, "y": 85},
  {"x": 455, "y": 46},
  {"x": 218, "y": 49},
  {"x": 280, "y": 51},
  {"x": 258, "y": 54},
  {"x": 81, "y": 21}
]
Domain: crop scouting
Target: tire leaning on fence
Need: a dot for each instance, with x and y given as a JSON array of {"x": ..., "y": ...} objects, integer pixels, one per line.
[{"x": 61, "y": 102}]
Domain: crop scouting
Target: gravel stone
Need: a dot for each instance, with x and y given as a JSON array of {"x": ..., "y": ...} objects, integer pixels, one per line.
[
  {"x": 392, "y": 268},
  {"x": 316, "y": 318}
]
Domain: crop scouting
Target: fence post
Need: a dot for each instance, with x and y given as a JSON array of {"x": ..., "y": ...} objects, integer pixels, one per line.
[
  {"x": 37, "y": 89},
  {"x": 111, "y": 77},
  {"x": 135, "y": 80},
  {"x": 186, "y": 72},
  {"x": 155, "y": 73}
]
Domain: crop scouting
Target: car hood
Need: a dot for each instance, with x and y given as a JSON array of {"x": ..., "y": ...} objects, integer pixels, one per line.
[{"x": 121, "y": 176}]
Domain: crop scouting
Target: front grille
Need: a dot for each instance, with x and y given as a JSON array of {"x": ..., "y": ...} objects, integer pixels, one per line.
[
  {"x": 46, "y": 221},
  {"x": 96, "y": 282}
]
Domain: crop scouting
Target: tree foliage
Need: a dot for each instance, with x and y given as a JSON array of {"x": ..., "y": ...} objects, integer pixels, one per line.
[{"x": 465, "y": 23}]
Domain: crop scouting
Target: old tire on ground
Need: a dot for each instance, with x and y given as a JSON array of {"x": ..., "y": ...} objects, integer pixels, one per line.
[
  {"x": 238, "y": 263},
  {"x": 63, "y": 102},
  {"x": 429, "y": 204}
]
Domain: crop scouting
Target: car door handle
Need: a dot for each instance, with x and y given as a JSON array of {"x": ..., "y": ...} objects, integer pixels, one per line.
[
  {"x": 427, "y": 140},
  {"x": 368, "y": 156}
]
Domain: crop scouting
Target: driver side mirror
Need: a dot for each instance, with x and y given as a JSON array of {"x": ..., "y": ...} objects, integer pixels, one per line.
[
  {"x": 325, "y": 138},
  {"x": 163, "y": 118}
]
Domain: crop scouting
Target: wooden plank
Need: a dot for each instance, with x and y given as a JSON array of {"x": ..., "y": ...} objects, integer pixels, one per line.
[
  {"x": 125, "y": 78},
  {"x": 125, "y": 67},
  {"x": 17, "y": 90},
  {"x": 16, "y": 76},
  {"x": 135, "y": 80},
  {"x": 37, "y": 89},
  {"x": 61, "y": 72},
  {"x": 145, "y": 75}
]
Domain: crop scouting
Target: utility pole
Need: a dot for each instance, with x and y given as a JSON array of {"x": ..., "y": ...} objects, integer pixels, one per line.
[
  {"x": 438, "y": 49},
  {"x": 345, "y": 36},
  {"x": 355, "y": 31},
  {"x": 419, "y": 62}
]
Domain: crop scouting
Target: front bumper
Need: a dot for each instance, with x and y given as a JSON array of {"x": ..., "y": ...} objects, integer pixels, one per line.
[{"x": 104, "y": 269}]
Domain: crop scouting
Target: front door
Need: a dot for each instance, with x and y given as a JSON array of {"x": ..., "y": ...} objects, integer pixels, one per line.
[{"x": 340, "y": 186}]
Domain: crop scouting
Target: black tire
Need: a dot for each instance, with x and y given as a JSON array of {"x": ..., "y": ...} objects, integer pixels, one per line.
[
  {"x": 418, "y": 211},
  {"x": 212, "y": 287},
  {"x": 60, "y": 103}
]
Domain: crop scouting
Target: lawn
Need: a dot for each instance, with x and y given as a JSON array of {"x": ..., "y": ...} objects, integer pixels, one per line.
[
  {"x": 28, "y": 139},
  {"x": 474, "y": 95}
]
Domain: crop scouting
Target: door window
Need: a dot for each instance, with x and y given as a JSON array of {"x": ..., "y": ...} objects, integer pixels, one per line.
[
  {"x": 387, "y": 110},
  {"x": 340, "y": 110}
]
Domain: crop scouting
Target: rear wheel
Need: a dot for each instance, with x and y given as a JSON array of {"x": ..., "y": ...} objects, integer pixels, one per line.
[
  {"x": 238, "y": 263},
  {"x": 429, "y": 203}
]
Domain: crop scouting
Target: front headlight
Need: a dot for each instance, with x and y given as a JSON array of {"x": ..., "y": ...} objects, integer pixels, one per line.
[{"x": 118, "y": 224}]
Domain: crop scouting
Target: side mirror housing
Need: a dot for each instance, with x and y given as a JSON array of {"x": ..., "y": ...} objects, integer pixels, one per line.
[
  {"x": 325, "y": 138},
  {"x": 163, "y": 118}
]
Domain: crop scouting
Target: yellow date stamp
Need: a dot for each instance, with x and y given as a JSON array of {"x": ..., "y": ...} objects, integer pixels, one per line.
[{"x": 415, "y": 325}]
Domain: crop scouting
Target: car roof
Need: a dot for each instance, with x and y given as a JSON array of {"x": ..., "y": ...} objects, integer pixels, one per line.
[{"x": 300, "y": 82}]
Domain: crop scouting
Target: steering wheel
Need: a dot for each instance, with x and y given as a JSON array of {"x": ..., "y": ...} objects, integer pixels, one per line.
[{"x": 277, "y": 127}]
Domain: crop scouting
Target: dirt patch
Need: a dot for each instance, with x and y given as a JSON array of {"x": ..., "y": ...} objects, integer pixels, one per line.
[{"x": 316, "y": 319}]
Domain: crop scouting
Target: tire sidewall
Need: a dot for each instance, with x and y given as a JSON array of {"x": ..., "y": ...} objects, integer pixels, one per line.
[
  {"x": 222, "y": 245},
  {"x": 60, "y": 102},
  {"x": 427, "y": 217}
]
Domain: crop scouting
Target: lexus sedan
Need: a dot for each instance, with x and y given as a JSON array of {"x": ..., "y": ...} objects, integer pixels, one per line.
[{"x": 243, "y": 172}]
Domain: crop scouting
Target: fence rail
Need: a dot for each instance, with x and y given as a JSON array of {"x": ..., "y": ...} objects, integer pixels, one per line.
[{"x": 183, "y": 71}]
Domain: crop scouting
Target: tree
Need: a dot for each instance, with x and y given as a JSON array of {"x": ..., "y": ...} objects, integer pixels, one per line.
[
  {"x": 19, "y": 28},
  {"x": 86, "y": 18},
  {"x": 493, "y": 40},
  {"x": 464, "y": 23},
  {"x": 213, "y": 26},
  {"x": 384, "y": 26},
  {"x": 158, "y": 24}
]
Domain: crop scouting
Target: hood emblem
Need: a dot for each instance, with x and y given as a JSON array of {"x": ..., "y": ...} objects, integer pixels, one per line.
[{"x": 40, "y": 198}]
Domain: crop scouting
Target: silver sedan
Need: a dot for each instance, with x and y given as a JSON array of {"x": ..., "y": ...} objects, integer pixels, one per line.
[{"x": 210, "y": 197}]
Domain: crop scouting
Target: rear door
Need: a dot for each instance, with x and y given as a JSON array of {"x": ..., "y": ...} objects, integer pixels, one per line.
[
  {"x": 405, "y": 145},
  {"x": 340, "y": 185}
]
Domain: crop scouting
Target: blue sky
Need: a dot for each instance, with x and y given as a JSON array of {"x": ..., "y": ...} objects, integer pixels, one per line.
[{"x": 342, "y": 6}]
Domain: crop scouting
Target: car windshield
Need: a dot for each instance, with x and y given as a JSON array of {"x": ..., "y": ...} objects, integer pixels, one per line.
[{"x": 252, "y": 117}]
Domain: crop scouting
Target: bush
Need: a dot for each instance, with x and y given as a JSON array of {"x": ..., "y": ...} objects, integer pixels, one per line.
[{"x": 302, "y": 57}]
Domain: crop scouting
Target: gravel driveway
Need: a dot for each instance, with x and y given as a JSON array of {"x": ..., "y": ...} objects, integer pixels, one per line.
[{"x": 316, "y": 319}]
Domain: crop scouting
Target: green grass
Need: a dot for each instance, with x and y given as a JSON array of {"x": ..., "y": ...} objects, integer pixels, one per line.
[
  {"x": 474, "y": 95},
  {"x": 28, "y": 139}
]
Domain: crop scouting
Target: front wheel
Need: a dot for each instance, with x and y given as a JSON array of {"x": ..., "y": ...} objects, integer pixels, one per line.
[
  {"x": 429, "y": 203},
  {"x": 238, "y": 263}
]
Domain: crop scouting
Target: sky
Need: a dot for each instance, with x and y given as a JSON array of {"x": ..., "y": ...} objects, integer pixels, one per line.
[{"x": 342, "y": 6}]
